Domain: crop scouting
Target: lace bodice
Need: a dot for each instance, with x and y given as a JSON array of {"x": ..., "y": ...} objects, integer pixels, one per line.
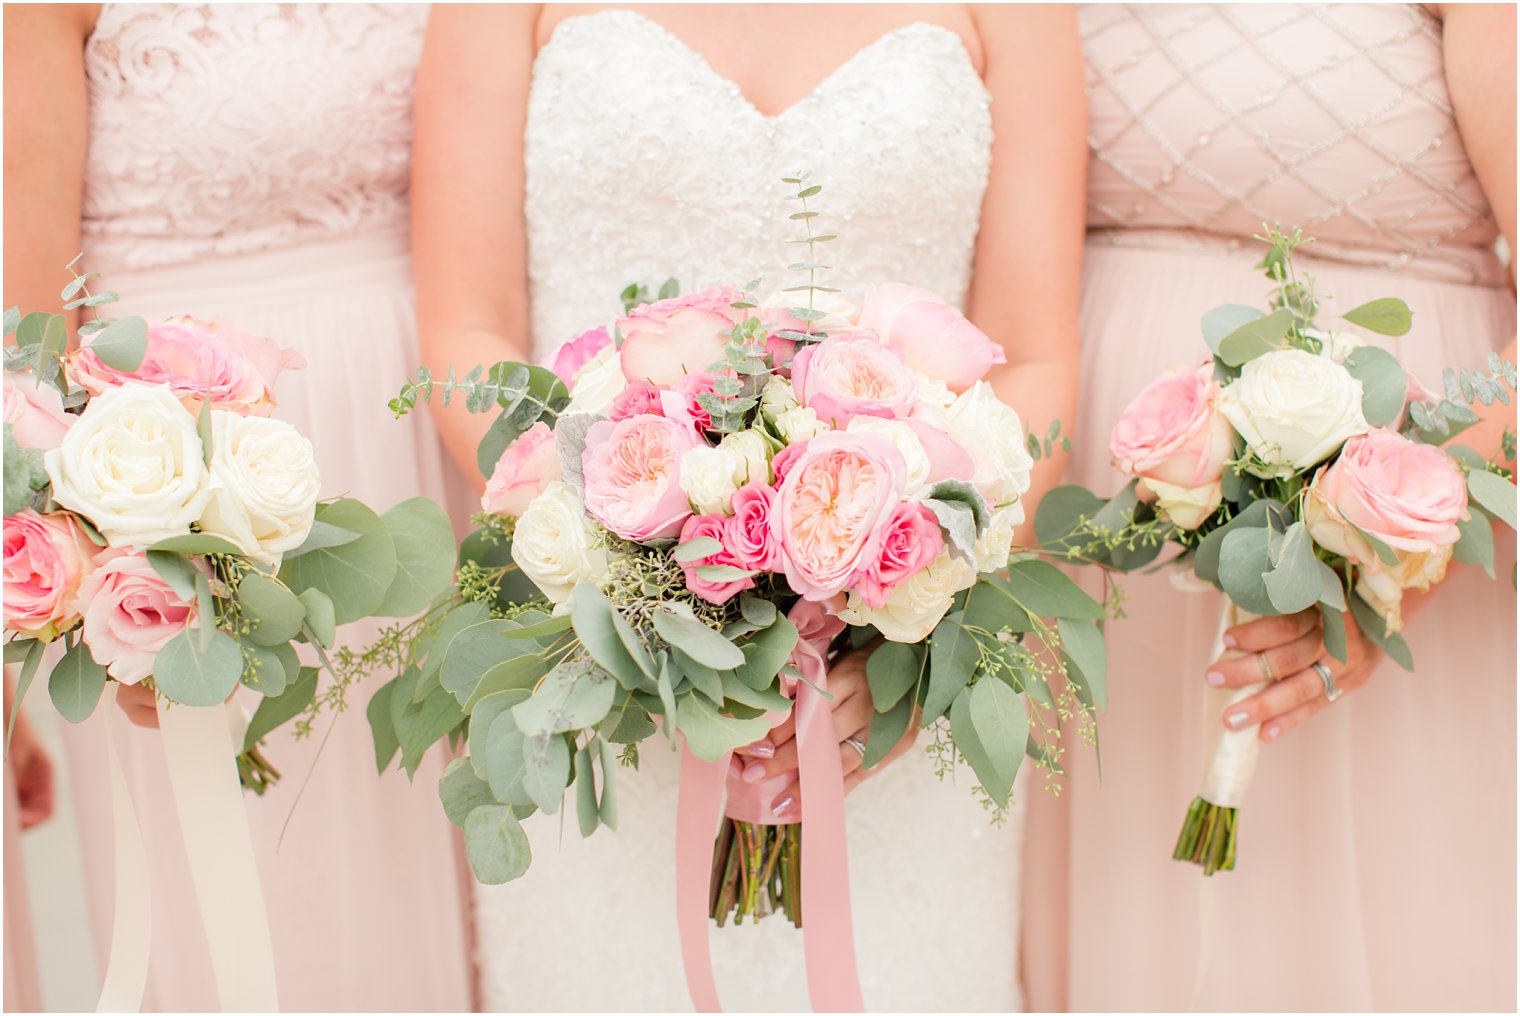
[
  {"x": 223, "y": 129},
  {"x": 1207, "y": 120},
  {"x": 643, "y": 163}
]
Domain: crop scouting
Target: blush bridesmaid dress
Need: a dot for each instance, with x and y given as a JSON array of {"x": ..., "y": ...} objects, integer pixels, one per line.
[
  {"x": 1377, "y": 844},
  {"x": 251, "y": 161}
]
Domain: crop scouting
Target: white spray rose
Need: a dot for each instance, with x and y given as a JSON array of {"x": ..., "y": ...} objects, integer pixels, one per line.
[
  {"x": 1294, "y": 409},
  {"x": 992, "y": 433},
  {"x": 777, "y": 397},
  {"x": 556, "y": 544},
  {"x": 800, "y": 424},
  {"x": 905, "y": 441},
  {"x": 264, "y": 485},
  {"x": 597, "y": 383},
  {"x": 933, "y": 395},
  {"x": 917, "y": 605},
  {"x": 133, "y": 465},
  {"x": 710, "y": 476},
  {"x": 996, "y": 542}
]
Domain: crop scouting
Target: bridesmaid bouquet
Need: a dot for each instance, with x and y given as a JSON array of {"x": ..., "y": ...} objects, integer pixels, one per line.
[
  {"x": 1298, "y": 468},
  {"x": 687, "y": 518},
  {"x": 168, "y": 531}
]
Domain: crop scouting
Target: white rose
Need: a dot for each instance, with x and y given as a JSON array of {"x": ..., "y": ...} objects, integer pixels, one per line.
[
  {"x": 597, "y": 383},
  {"x": 996, "y": 542},
  {"x": 132, "y": 465},
  {"x": 917, "y": 605},
  {"x": 1187, "y": 507},
  {"x": 1383, "y": 587},
  {"x": 993, "y": 435},
  {"x": 264, "y": 485},
  {"x": 800, "y": 424},
  {"x": 905, "y": 441},
  {"x": 710, "y": 476},
  {"x": 1294, "y": 409},
  {"x": 556, "y": 544},
  {"x": 933, "y": 395},
  {"x": 777, "y": 397}
]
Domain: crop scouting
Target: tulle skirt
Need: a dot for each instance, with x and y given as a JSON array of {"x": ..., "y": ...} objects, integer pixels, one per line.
[
  {"x": 1377, "y": 843},
  {"x": 365, "y": 895}
]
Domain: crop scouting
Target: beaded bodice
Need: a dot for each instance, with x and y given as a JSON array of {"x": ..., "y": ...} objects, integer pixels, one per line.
[
  {"x": 1208, "y": 120},
  {"x": 643, "y": 163},
  {"x": 221, "y": 129}
]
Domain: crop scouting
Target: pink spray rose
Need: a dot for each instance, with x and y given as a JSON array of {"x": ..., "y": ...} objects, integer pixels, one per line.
[
  {"x": 578, "y": 352},
  {"x": 748, "y": 536},
  {"x": 130, "y": 612},
  {"x": 910, "y": 541},
  {"x": 523, "y": 471},
  {"x": 832, "y": 507},
  {"x": 633, "y": 476},
  {"x": 1173, "y": 438},
  {"x": 935, "y": 339},
  {"x": 682, "y": 335},
  {"x": 689, "y": 386},
  {"x": 714, "y": 526},
  {"x": 197, "y": 359},
  {"x": 1406, "y": 494},
  {"x": 853, "y": 374},
  {"x": 638, "y": 398},
  {"x": 46, "y": 558},
  {"x": 35, "y": 412}
]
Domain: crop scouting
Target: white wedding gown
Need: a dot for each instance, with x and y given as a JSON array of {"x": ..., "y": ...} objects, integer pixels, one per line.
[{"x": 643, "y": 163}]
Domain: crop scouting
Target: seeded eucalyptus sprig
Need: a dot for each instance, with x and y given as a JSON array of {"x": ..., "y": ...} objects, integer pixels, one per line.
[
  {"x": 812, "y": 266},
  {"x": 1436, "y": 420},
  {"x": 525, "y": 394}
]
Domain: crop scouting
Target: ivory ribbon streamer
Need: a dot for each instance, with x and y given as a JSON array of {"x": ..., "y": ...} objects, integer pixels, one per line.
[
  {"x": 203, "y": 774},
  {"x": 1232, "y": 753},
  {"x": 828, "y": 937},
  {"x": 132, "y": 922}
]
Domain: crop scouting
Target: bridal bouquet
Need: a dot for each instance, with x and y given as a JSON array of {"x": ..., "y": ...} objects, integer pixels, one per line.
[
  {"x": 1298, "y": 468},
  {"x": 168, "y": 531},
  {"x": 687, "y": 518}
]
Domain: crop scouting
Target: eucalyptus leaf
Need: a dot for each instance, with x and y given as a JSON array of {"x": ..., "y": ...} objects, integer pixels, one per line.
[
  {"x": 766, "y": 652},
  {"x": 701, "y": 677},
  {"x": 1265, "y": 512},
  {"x": 1294, "y": 582},
  {"x": 438, "y": 715},
  {"x": 321, "y": 536},
  {"x": 969, "y": 745},
  {"x": 76, "y": 683},
  {"x": 546, "y": 770},
  {"x": 472, "y": 652},
  {"x": 276, "y": 710},
  {"x": 571, "y": 697},
  {"x": 382, "y": 728},
  {"x": 193, "y": 676},
  {"x": 1221, "y": 321},
  {"x": 1476, "y": 545},
  {"x": 122, "y": 344},
  {"x": 697, "y": 640},
  {"x": 423, "y": 539},
  {"x": 1245, "y": 557},
  {"x": 354, "y": 576},
  {"x": 504, "y": 746},
  {"x": 1334, "y": 630},
  {"x": 482, "y": 716},
  {"x": 275, "y": 611},
  {"x": 893, "y": 670},
  {"x": 197, "y": 543},
  {"x": 176, "y": 571},
  {"x": 319, "y": 616},
  {"x": 1044, "y": 590},
  {"x": 1494, "y": 494},
  {"x": 24, "y": 474},
  {"x": 1002, "y": 729},
  {"x": 626, "y": 721},
  {"x": 1331, "y": 593},
  {"x": 887, "y": 728},
  {"x": 596, "y": 625},
  {"x": 1375, "y": 628},
  {"x": 710, "y": 734},
  {"x": 1388, "y": 316},
  {"x": 1384, "y": 384},
  {"x": 462, "y": 791},
  {"x": 697, "y": 548},
  {"x": 496, "y": 845},
  {"x": 268, "y": 670},
  {"x": 758, "y": 612},
  {"x": 953, "y": 656},
  {"x": 1255, "y": 337},
  {"x": 1082, "y": 642},
  {"x": 607, "y": 809},
  {"x": 585, "y": 792}
]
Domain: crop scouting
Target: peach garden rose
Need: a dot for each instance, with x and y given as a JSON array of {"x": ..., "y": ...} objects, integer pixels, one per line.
[
  {"x": 46, "y": 558},
  {"x": 853, "y": 375},
  {"x": 633, "y": 474},
  {"x": 523, "y": 471}
]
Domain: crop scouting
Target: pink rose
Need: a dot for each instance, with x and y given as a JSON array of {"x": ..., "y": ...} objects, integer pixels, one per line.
[
  {"x": 129, "y": 614},
  {"x": 633, "y": 476},
  {"x": 910, "y": 541},
  {"x": 638, "y": 398},
  {"x": 935, "y": 339},
  {"x": 578, "y": 352},
  {"x": 714, "y": 526},
  {"x": 1174, "y": 439},
  {"x": 831, "y": 509},
  {"x": 748, "y": 535},
  {"x": 781, "y": 462},
  {"x": 523, "y": 471},
  {"x": 35, "y": 412},
  {"x": 46, "y": 558},
  {"x": 850, "y": 374},
  {"x": 780, "y": 319},
  {"x": 1406, "y": 494},
  {"x": 197, "y": 360},
  {"x": 682, "y": 335},
  {"x": 689, "y": 386}
]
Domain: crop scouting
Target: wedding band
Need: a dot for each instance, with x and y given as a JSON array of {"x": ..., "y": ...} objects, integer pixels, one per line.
[
  {"x": 1331, "y": 691},
  {"x": 858, "y": 745},
  {"x": 1266, "y": 666}
]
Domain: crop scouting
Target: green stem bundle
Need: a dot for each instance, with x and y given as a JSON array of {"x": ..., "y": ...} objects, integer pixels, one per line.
[{"x": 757, "y": 870}]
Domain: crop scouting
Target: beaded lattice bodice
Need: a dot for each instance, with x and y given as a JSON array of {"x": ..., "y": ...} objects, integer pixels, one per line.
[
  {"x": 1208, "y": 120},
  {"x": 643, "y": 163},
  {"x": 220, "y": 129}
]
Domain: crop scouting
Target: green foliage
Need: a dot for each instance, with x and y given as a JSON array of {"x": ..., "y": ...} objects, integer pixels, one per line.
[
  {"x": 1245, "y": 558},
  {"x": 76, "y": 683},
  {"x": 496, "y": 845},
  {"x": 423, "y": 539},
  {"x": 1384, "y": 384},
  {"x": 1376, "y": 629},
  {"x": 1293, "y": 583},
  {"x": 1255, "y": 337},
  {"x": 462, "y": 791},
  {"x": 354, "y": 575},
  {"x": 709, "y": 733},
  {"x": 193, "y": 674},
  {"x": 276, "y": 710},
  {"x": 1387, "y": 316},
  {"x": 1494, "y": 494},
  {"x": 275, "y": 612},
  {"x": 893, "y": 670},
  {"x": 25, "y": 476}
]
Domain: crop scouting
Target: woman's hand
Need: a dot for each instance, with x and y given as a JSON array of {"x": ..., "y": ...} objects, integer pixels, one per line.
[
  {"x": 852, "y": 709},
  {"x": 139, "y": 703},
  {"x": 33, "y": 769},
  {"x": 1284, "y": 651}
]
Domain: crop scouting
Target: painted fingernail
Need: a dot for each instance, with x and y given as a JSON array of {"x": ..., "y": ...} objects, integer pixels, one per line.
[
  {"x": 782, "y": 806},
  {"x": 754, "y": 773},
  {"x": 760, "y": 749},
  {"x": 1270, "y": 732},
  {"x": 1230, "y": 642},
  {"x": 1215, "y": 678},
  {"x": 1238, "y": 720}
]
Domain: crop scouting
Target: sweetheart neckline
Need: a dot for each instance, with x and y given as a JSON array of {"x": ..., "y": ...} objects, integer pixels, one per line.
[{"x": 696, "y": 57}]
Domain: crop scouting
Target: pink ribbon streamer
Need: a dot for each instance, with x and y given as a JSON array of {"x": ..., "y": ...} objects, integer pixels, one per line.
[{"x": 828, "y": 938}]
